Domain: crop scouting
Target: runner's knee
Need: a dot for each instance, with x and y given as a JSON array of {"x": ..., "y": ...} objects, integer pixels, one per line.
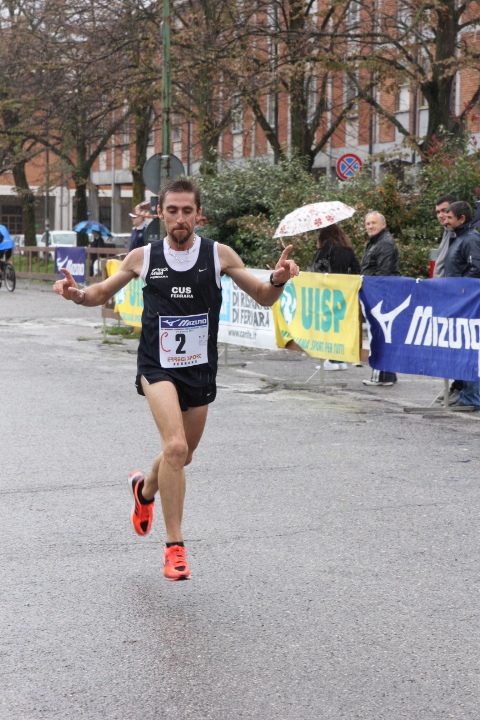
[{"x": 176, "y": 453}]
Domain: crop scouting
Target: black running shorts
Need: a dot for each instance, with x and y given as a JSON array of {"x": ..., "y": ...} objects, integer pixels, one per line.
[{"x": 188, "y": 395}]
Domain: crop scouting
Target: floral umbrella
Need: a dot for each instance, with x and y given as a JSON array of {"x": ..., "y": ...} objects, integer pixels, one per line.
[{"x": 313, "y": 217}]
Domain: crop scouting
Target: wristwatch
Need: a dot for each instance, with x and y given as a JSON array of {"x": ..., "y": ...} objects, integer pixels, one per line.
[
  {"x": 275, "y": 284},
  {"x": 83, "y": 298}
]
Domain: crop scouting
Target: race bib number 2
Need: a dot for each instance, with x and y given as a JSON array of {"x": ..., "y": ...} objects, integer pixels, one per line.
[{"x": 183, "y": 340}]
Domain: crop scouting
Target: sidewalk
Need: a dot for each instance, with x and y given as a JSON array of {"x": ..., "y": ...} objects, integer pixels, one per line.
[
  {"x": 332, "y": 538},
  {"x": 286, "y": 367}
]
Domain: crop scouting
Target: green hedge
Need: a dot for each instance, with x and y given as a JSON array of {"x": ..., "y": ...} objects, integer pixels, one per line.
[{"x": 244, "y": 206}]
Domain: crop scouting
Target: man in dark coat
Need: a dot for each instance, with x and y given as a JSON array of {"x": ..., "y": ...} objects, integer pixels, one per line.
[
  {"x": 380, "y": 258},
  {"x": 441, "y": 207},
  {"x": 463, "y": 260},
  {"x": 381, "y": 253}
]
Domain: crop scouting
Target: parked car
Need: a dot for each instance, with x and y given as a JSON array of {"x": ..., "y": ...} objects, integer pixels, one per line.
[
  {"x": 121, "y": 240},
  {"x": 58, "y": 238},
  {"x": 19, "y": 241}
]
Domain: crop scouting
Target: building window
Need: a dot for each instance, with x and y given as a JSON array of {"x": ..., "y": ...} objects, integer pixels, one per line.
[
  {"x": 177, "y": 128},
  {"x": 126, "y": 147},
  {"x": 422, "y": 101},
  {"x": 351, "y": 93},
  {"x": 352, "y": 16},
  {"x": 105, "y": 215},
  {"x": 402, "y": 101},
  {"x": 270, "y": 115},
  {"x": 12, "y": 218},
  {"x": 237, "y": 117},
  {"x": 403, "y": 14},
  {"x": 311, "y": 96}
]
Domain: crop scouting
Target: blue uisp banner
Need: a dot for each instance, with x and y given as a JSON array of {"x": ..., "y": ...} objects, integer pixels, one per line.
[{"x": 424, "y": 327}]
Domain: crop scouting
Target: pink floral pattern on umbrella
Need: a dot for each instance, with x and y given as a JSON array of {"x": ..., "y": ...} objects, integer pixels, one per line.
[{"x": 313, "y": 216}]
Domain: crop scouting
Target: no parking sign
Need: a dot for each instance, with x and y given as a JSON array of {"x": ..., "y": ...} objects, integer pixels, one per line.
[{"x": 348, "y": 165}]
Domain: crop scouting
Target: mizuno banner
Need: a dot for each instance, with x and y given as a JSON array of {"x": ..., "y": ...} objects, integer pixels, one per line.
[
  {"x": 72, "y": 259},
  {"x": 424, "y": 327},
  {"x": 320, "y": 313}
]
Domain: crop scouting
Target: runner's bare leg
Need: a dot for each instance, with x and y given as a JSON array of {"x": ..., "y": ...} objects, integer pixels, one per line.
[{"x": 180, "y": 433}]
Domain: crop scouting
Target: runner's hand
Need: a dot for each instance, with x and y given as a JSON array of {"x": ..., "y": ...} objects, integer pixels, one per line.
[
  {"x": 285, "y": 268},
  {"x": 67, "y": 287}
]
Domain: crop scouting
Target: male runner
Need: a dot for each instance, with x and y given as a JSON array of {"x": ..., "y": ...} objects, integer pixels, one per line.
[{"x": 177, "y": 353}]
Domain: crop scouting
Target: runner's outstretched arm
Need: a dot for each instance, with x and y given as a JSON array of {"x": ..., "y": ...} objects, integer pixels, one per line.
[
  {"x": 262, "y": 292},
  {"x": 100, "y": 293}
]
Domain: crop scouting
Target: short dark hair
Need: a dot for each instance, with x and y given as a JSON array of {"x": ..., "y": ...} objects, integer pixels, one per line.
[
  {"x": 459, "y": 208},
  {"x": 179, "y": 185},
  {"x": 446, "y": 198}
]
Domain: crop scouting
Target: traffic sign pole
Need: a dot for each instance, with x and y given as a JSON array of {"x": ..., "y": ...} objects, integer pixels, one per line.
[{"x": 166, "y": 95}]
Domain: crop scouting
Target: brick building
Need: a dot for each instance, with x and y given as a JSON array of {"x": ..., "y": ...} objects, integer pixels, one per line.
[{"x": 364, "y": 133}]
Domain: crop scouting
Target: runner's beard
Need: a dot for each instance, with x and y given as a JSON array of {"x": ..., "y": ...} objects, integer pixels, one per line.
[{"x": 180, "y": 242}]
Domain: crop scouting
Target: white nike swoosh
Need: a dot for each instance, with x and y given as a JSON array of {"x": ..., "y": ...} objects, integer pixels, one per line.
[{"x": 202, "y": 269}]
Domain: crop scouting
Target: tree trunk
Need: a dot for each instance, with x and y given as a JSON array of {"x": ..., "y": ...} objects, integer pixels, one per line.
[
  {"x": 298, "y": 116},
  {"x": 206, "y": 131},
  {"x": 142, "y": 119},
  {"x": 298, "y": 94},
  {"x": 80, "y": 177},
  {"x": 28, "y": 202},
  {"x": 439, "y": 91}
]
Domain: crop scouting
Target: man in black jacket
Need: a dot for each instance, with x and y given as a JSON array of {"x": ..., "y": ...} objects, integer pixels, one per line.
[
  {"x": 381, "y": 253},
  {"x": 441, "y": 208},
  {"x": 463, "y": 260},
  {"x": 380, "y": 258},
  {"x": 463, "y": 257}
]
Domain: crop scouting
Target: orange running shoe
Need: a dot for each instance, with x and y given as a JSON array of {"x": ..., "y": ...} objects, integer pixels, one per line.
[
  {"x": 142, "y": 515},
  {"x": 175, "y": 566}
]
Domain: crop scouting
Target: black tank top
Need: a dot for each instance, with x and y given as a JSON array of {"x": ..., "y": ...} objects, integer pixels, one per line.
[{"x": 186, "y": 307}]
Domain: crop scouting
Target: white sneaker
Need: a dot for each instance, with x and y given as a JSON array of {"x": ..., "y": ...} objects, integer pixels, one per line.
[
  {"x": 342, "y": 366},
  {"x": 330, "y": 365}
]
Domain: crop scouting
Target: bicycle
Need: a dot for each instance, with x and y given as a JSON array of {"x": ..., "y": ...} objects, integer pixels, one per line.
[{"x": 7, "y": 274}]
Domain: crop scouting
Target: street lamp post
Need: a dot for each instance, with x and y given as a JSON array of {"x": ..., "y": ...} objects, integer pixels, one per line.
[
  {"x": 47, "y": 186},
  {"x": 166, "y": 94}
]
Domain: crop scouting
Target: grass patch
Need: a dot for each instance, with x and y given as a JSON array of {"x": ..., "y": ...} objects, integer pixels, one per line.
[{"x": 125, "y": 331}]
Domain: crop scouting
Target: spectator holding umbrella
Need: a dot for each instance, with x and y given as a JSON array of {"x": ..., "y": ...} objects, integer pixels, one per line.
[
  {"x": 98, "y": 231},
  {"x": 334, "y": 254}
]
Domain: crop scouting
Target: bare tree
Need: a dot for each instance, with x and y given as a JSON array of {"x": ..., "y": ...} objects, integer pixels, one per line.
[
  {"x": 17, "y": 107},
  {"x": 423, "y": 44},
  {"x": 205, "y": 48},
  {"x": 292, "y": 53}
]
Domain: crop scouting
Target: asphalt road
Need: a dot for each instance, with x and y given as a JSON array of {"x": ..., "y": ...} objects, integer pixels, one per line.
[{"x": 332, "y": 538}]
